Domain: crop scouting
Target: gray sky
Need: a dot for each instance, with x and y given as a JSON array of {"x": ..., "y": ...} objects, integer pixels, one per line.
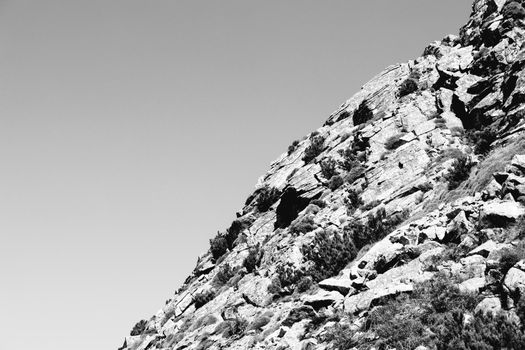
[{"x": 131, "y": 131}]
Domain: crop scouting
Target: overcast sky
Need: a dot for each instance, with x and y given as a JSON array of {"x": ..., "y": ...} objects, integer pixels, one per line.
[{"x": 131, "y": 131}]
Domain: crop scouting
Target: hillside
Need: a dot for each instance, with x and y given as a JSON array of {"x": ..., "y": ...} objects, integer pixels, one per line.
[{"x": 397, "y": 224}]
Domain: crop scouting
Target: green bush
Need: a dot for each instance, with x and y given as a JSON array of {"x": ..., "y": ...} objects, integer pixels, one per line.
[
  {"x": 267, "y": 196},
  {"x": 514, "y": 10},
  {"x": 394, "y": 142},
  {"x": 237, "y": 226},
  {"x": 234, "y": 328},
  {"x": 328, "y": 254},
  {"x": 341, "y": 336},
  {"x": 328, "y": 168},
  {"x": 304, "y": 284},
  {"x": 408, "y": 86},
  {"x": 460, "y": 172},
  {"x": 335, "y": 182},
  {"x": 302, "y": 225},
  {"x": 287, "y": 278},
  {"x": 354, "y": 174},
  {"x": 377, "y": 226},
  {"x": 293, "y": 147},
  {"x": 315, "y": 148},
  {"x": 482, "y": 139},
  {"x": 349, "y": 160},
  {"x": 201, "y": 299},
  {"x": 224, "y": 274},
  {"x": 353, "y": 200},
  {"x": 253, "y": 259},
  {"x": 218, "y": 246},
  {"x": 139, "y": 328}
]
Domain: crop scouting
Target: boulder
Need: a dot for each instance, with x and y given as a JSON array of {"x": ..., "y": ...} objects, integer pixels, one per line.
[
  {"x": 485, "y": 249},
  {"x": 489, "y": 305},
  {"x": 341, "y": 285},
  {"x": 458, "y": 227},
  {"x": 322, "y": 299},
  {"x": 472, "y": 285},
  {"x": 515, "y": 281},
  {"x": 518, "y": 161},
  {"x": 498, "y": 214}
]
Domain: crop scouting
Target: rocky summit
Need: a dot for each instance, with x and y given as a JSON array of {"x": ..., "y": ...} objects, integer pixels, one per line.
[{"x": 399, "y": 224}]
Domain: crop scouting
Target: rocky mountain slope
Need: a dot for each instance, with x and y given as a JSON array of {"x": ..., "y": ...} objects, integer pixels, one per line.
[{"x": 397, "y": 224}]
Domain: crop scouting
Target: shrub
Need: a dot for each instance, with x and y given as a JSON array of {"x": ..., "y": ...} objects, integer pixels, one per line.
[
  {"x": 514, "y": 10},
  {"x": 460, "y": 172},
  {"x": 341, "y": 336},
  {"x": 482, "y": 139},
  {"x": 335, "y": 182},
  {"x": 218, "y": 246},
  {"x": 407, "y": 322},
  {"x": 303, "y": 224},
  {"x": 377, "y": 226},
  {"x": 328, "y": 168},
  {"x": 349, "y": 158},
  {"x": 201, "y": 299},
  {"x": 293, "y": 147},
  {"x": 234, "y": 328},
  {"x": 328, "y": 254},
  {"x": 224, "y": 274},
  {"x": 315, "y": 148},
  {"x": 287, "y": 278},
  {"x": 266, "y": 198},
  {"x": 353, "y": 200},
  {"x": 394, "y": 142},
  {"x": 305, "y": 283},
  {"x": 408, "y": 86},
  {"x": 354, "y": 174},
  {"x": 139, "y": 328},
  {"x": 252, "y": 261},
  {"x": 362, "y": 114},
  {"x": 235, "y": 229}
]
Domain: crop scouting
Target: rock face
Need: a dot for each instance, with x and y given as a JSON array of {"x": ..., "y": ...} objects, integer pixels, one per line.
[{"x": 418, "y": 175}]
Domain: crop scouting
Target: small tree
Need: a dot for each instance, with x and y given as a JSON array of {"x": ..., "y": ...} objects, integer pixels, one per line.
[{"x": 328, "y": 168}]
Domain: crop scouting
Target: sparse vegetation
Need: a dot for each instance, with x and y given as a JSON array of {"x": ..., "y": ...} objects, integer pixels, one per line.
[
  {"x": 302, "y": 225},
  {"x": 218, "y": 246},
  {"x": 253, "y": 259},
  {"x": 514, "y": 9},
  {"x": 139, "y": 328},
  {"x": 408, "y": 86},
  {"x": 482, "y": 139},
  {"x": 266, "y": 198},
  {"x": 353, "y": 200},
  {"x": 335, "y": 182},
  {"x": 376, "y": 227},
  {"x": 293, "y": 147},
  {"x": 460, "y": 172},
  {"x": 315, "y": 148},
  {"x": 224, "y": 274},
  {"x": 438, "y": 315},
  {"x": 394, "y": 142},
  {"x": 203, "y": 298},
  {"x": 328, "y": 168},
  {"x": 328, "y": 254}
]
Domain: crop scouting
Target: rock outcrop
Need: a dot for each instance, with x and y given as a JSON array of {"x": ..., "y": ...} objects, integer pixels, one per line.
[{"x": 420, "y": 174}]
